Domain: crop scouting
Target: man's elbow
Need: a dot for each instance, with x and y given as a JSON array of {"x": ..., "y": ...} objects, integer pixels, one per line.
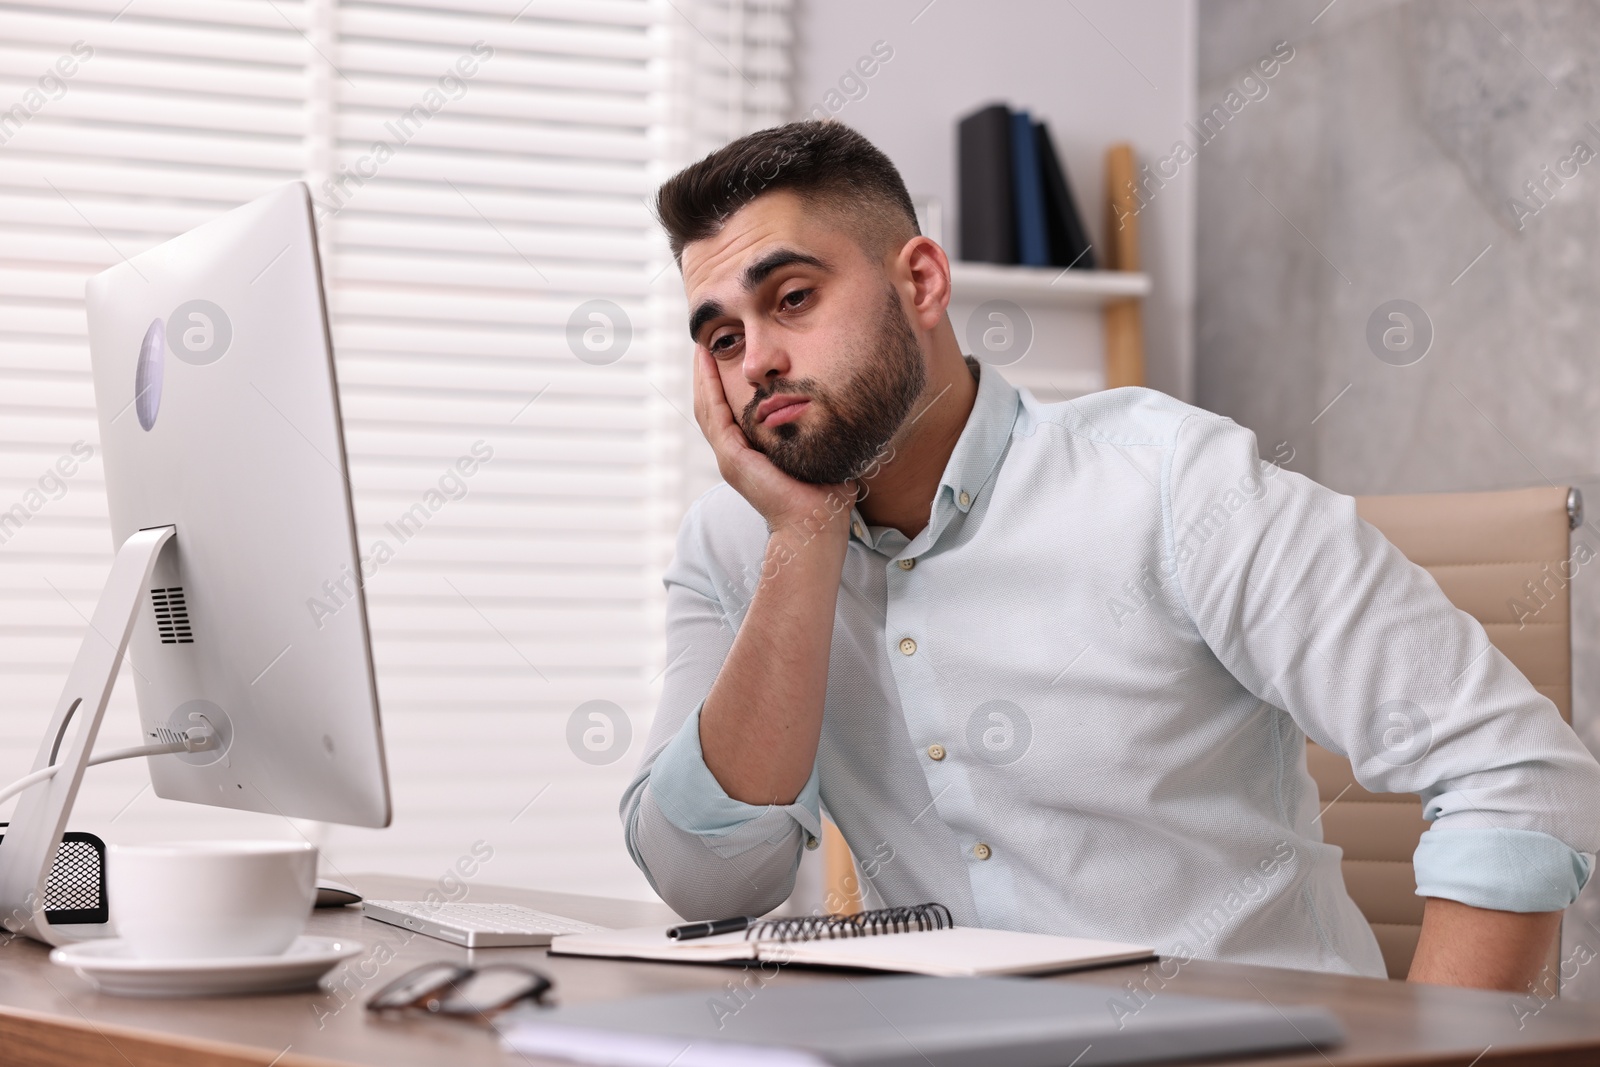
[
  {"x": 714, "y": 898},
  {"x": 698, "y": 883}
]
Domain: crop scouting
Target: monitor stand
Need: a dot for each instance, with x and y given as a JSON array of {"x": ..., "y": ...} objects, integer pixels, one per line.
[{"x": 29, "y": 847}]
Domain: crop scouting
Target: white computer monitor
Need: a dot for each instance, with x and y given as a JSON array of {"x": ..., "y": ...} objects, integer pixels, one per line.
[{"x": 236, "y": 587}]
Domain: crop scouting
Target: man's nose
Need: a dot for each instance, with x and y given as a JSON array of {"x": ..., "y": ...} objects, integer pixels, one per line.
[{"x": 765, "y": 356}]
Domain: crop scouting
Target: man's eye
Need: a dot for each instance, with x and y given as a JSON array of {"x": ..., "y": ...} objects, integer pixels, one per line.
[
  {"x": 795, "y": 298},
  {"x": 724, "y": 342}
]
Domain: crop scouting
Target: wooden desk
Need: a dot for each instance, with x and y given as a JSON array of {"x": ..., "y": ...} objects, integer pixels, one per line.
[{"x": 49, "y": 1016}]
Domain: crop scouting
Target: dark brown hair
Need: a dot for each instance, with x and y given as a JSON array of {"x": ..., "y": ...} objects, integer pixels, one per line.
[{"x": 827, "y": 163}]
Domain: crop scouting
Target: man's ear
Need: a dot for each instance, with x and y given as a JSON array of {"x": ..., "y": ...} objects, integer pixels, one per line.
[{"x": 923, "y": 270}]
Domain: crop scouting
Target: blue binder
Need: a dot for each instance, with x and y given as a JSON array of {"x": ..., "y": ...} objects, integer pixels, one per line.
[{"x": 1033, "y": 242}]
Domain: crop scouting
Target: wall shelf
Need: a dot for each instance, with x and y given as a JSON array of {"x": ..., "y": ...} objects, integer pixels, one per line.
[{"x": 1045, "y": 285}]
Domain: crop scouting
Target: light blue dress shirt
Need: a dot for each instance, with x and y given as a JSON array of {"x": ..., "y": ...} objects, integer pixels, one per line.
[{"x": 1078, "y": 701}]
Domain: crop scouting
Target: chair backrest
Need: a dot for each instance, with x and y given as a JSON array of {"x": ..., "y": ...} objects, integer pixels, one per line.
[{"x": 1483, "y": 549}]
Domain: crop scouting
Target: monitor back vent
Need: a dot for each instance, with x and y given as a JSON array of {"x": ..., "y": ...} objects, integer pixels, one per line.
[{"x": 172, "y": 615}]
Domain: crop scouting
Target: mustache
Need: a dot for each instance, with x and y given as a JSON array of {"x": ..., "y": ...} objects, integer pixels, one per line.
[{"x": 805, "y": 387}]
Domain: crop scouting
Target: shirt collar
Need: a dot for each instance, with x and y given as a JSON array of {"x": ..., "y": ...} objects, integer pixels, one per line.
[
  {"x": 983, "y": 440},
  {"x": 973, "y": 461}
]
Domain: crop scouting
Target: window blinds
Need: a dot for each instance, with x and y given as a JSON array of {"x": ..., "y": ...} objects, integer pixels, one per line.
[
  {"x": 497, "y": 289},
  {"x": 116, "y": 133}
]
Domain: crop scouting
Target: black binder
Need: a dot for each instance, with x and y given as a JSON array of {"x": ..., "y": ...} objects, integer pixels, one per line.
[
  {"x": 1069, "y": 239},
  {"x": 985, "y": 186}
]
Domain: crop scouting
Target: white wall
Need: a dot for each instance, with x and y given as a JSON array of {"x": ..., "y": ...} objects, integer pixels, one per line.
[{"x": 1099, "y": 71}]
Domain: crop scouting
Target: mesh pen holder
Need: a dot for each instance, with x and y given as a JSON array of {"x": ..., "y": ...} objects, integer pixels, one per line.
[{"x": 75, "y": 890}]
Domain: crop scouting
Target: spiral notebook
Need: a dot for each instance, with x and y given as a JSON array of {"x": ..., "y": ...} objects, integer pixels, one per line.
[{"x": 912, "y": 940}]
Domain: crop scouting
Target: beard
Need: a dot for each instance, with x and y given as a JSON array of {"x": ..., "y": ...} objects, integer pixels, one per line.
[{"x": 849, "y": 426}]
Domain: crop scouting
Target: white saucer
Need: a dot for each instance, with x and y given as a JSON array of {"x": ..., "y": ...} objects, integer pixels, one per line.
[{"x": 112, "y": 968}]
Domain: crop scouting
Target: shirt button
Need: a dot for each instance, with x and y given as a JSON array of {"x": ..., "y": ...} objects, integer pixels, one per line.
[
  {"x": 906, "y": 564},
  {"x": 965, "y": 498},
  {"x": 936, "y": 752},
  {"x": 982, "y": 851},
  {"x": 855, "y": 528},
  {"x": 907, "y": 645},
  {"x": 811, "y": 843}
]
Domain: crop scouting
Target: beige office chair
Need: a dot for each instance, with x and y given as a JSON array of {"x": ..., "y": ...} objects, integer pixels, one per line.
[{"x": 1481, "y": 548}]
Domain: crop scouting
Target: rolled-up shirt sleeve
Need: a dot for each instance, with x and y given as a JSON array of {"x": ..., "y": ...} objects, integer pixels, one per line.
[
  {"x": 691, "y": 798},
  {"x": 1316, "y": 612},
  {"x": 707, "y": 854}
]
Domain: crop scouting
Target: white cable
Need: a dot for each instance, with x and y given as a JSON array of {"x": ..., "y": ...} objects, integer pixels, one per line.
[
  {"x": 138, "y": 750},
  {"x": 198, "y": 740},
  {"x": 22, "y": 783}
]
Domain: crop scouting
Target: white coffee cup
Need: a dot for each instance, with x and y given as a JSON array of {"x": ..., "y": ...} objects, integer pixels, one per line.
[{"x": 211, "y": 899}]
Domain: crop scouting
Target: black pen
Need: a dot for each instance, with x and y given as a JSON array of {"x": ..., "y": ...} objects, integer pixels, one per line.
[{"x": 690, "y": 931}]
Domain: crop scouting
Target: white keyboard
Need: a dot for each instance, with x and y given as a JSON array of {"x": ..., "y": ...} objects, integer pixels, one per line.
[{"x": 477, "y": 925}]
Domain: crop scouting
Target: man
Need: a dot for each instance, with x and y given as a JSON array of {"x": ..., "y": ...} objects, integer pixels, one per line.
[{"x": 1051, "y": 665}]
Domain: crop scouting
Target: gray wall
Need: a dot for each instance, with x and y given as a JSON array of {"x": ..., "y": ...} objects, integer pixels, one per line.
[{"x": 1382, "y": 164}]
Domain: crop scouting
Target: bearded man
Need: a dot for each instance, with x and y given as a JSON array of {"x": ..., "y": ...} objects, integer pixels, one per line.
[{"x": 1051, "y": 665}]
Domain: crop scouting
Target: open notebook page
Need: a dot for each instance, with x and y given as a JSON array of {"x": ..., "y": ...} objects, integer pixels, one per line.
[
  {"x": 960, "y": 951},
  {"x": 652, "y": 943}
]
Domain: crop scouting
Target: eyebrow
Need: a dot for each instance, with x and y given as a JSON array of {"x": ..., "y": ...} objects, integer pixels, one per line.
[
  {"x": 777, "y": 259},
  {"x": 703, "y": 314},
  {"x": 754, "y": 275}
]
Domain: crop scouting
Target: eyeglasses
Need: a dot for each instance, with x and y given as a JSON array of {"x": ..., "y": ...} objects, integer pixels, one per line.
[{"x": 451, "y": 989}]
